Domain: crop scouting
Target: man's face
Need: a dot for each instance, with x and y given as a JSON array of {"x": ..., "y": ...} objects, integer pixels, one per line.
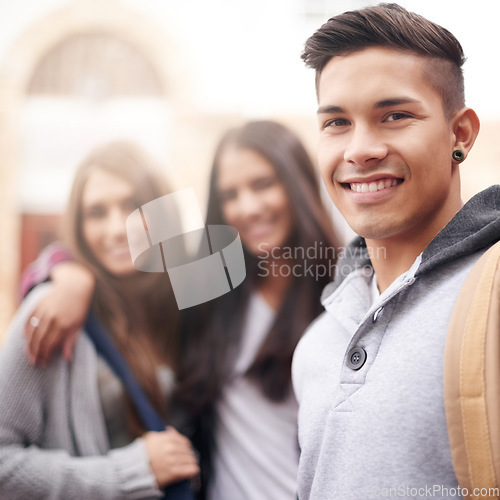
[{"x": 385, "y": 145}]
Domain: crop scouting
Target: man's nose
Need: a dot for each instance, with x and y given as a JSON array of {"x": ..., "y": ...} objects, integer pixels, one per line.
[{"x": 365, "y": 146}]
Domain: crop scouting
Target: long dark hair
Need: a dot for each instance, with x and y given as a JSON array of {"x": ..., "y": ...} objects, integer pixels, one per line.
[
  {"x": 154, "y": 292},
  {"x": 209, "y": 363}
]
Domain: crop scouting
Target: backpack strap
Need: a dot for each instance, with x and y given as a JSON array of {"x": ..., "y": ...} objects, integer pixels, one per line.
[
  {"x": 150, "y": 418},
  {"x": 472, "y": 379},
  {"x": 107, "y": 350}
]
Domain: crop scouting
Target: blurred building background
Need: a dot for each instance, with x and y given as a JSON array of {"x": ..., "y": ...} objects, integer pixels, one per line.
[{"x": 173, "y": 75}]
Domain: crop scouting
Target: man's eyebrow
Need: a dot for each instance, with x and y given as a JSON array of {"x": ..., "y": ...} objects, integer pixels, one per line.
[
  {"x": 384, "y": 103},
  {"x": 394, "y": 101},
  {"x": 323, "y": 110}
]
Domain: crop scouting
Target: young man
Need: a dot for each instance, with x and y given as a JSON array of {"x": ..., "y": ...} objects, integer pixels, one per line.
[{"x": 368, "y": 374}]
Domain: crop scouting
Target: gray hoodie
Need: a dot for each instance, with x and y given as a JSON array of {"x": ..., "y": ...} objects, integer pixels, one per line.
[{"x": 376, "y": 427}]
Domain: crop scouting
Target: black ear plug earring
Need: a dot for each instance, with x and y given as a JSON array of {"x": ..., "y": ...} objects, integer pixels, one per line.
[{"x": 458, "y": 155}]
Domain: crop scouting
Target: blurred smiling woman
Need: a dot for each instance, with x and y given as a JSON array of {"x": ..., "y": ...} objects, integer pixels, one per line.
[
  {"x": 70, "y": 430},
  {"x": 236, "y": 372}
]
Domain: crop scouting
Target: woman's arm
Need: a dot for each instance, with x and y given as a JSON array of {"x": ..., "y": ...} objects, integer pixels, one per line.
[
  {"x": 39, "y": 270},
  {"x": 59, "y": 315}
]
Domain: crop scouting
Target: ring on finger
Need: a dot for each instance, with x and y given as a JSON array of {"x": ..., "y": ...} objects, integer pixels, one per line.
[{"x": 34, "y": 321}]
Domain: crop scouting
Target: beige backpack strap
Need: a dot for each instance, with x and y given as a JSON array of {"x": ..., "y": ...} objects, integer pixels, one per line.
[{"x": 472, "y": 380}]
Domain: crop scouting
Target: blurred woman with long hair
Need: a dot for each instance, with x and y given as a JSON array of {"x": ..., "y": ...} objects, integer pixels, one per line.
[
  {"x": 70, "y": 430},
  {"x": 236, "y": 371}
]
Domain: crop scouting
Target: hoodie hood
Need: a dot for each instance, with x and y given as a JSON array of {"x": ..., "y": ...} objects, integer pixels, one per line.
[{"x": 475, "y": 227}]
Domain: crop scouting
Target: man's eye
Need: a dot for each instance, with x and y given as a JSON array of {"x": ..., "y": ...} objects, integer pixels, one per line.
[
  {"x": 396, "y": 116},
  {"x": 338, "y": 122}
]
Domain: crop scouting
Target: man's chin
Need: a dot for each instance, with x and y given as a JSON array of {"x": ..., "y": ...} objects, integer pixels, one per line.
[{"x": 374, "y": 232}]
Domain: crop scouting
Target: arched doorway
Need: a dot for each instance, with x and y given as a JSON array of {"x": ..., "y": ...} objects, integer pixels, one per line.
[{"x": 74, "y": 80}]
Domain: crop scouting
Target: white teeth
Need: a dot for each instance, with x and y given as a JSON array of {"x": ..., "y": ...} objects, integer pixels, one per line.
[{"x": 372, "y": 187}]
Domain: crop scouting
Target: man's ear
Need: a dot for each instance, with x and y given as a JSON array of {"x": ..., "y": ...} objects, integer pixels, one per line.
[{"x": 465, "y": 127}]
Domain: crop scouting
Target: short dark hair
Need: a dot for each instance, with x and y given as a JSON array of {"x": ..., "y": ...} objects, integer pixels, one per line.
[{"x": 390, "y": 25}]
